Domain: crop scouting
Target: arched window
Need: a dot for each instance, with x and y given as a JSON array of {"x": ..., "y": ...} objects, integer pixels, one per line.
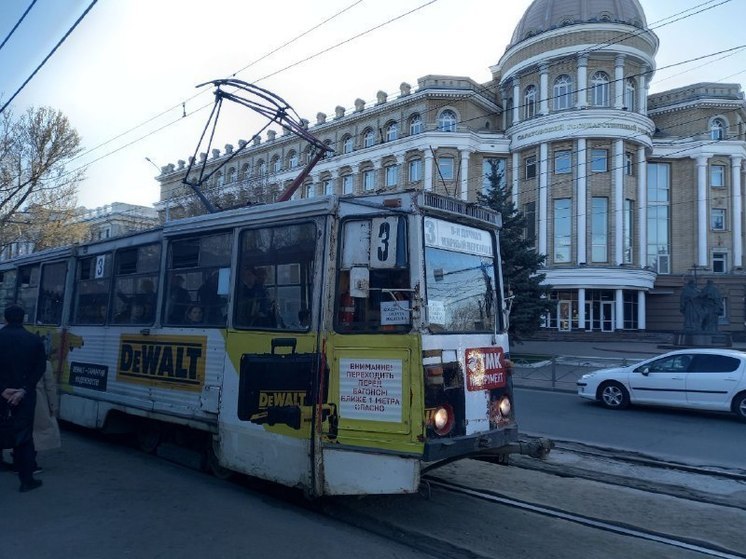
[
  {"x": 261, "y": 169},
  {"x": 509, "y": 112},
  {"x": 328, "y": 154},
  {"x": 562, "y": 93},
  {"x": 415, "y": 125},
  {"x": 276, "y": 164},
  {"x": 231, "y": 175},
  {"x": 369, "y": 138},
  {"x": 629, "y": 94},
  {"x": 292, "y": 160},
  {"x": 447, "y": 121},
  {"x": 529, "y": 102},
  {"x": 600, "y": 89},
  {"x": 347, "y": 144},
  {"x": 245, "y": 171},
  {"x": 717, "y": 129},
  {"x": 392, "y": 132}
]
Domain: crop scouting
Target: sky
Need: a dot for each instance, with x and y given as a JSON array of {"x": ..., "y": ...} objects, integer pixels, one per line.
[{"x": 127, "y": 75}]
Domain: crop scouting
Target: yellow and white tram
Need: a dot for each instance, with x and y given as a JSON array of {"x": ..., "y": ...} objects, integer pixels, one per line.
[{"x": 341, "y": 344}]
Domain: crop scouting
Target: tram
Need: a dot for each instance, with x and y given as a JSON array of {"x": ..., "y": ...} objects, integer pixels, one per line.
[{"x": 340, "y": 345}]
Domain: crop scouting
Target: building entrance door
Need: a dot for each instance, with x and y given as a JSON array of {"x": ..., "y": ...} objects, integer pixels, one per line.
[{"x": 607, "y": 316}]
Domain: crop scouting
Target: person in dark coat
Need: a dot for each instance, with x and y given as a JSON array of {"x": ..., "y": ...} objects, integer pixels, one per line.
[{"x": 23, "y": 361}]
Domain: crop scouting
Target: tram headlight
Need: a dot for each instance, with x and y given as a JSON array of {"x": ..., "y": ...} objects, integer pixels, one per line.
[
  {"x": 443, "y": 419},
  {"x": 505, "y": 406}
]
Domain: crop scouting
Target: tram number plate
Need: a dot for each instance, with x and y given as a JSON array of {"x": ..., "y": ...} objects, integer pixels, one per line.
[{"x": 485, "y": 368}]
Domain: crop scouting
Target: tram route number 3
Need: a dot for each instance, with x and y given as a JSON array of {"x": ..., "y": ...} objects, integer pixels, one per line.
[{"x": 383, "y": 242}]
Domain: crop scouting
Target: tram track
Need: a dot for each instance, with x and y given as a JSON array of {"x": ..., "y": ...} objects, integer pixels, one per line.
[{"x": 689, "y": 544}]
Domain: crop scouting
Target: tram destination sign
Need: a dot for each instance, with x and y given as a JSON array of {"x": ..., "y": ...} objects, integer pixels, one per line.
[{"x": 456, "y": 237}]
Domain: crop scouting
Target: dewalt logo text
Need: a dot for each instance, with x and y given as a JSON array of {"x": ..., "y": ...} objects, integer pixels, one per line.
[{"x": 168, "y": 360}]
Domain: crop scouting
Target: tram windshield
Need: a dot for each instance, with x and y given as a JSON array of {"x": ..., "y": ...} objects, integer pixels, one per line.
[{"x": 460, "y": 277}]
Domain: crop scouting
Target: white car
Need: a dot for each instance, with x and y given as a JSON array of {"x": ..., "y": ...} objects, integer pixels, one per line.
[{"x": 704, "y": 379}]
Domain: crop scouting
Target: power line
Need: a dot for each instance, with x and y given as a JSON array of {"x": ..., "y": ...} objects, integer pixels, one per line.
[
  {"x": 17, "y": 24},
  {"x": 88, "y": 9}
]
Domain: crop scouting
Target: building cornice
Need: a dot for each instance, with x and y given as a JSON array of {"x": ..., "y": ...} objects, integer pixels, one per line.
[{"x": 588, "y": 277}]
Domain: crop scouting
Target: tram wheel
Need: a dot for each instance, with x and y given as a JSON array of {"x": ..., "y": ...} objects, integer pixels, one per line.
[{"x": 149, "y": 436}]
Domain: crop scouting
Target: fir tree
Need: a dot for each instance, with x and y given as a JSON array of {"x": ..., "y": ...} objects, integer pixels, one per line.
[{"x": 521, "y": 263}]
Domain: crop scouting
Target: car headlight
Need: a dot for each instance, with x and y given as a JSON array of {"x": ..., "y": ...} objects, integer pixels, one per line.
[{"x": 588, "y": 375}]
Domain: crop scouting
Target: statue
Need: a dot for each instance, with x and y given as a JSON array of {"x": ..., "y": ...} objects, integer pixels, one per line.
[
  {"x": 712, "y": 307},
  {"x": 690, "y": 307}
]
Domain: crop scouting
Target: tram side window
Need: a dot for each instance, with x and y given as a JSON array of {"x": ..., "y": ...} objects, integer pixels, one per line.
[
  {"x": 377, "y": 249},
  {"x": 136, "y": 284},
  {"x": 276, "y": 269},
  {"x": 198, "y": 280},
  {"x": 91, "y": 303},
  {"x": 52, "y": 293},
  {"x": 7, "y": 288},
  {"x": 28, "y": 290}
]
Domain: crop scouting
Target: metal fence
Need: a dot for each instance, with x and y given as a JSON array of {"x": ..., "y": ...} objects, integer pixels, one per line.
[{"x": 560, "y": 372}]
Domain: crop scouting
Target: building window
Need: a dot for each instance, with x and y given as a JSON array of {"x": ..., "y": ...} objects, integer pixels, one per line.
[
  {"x": 447, "y": 121},
  {"x": 277, "y": 165},
  {"x": 658, "y": 217},
  {"x": 629, "y": 220},
  {"x": 599, "y": 160},
  {"x": 599, "y": 229},
  {"x": 629, "y": 94},
  {"x": 600, "y": 89},
  {"x": 720, "y": 262},
  {"x": 629, "y": 163},
  {"x": 562, "y": 93},
  {"x": 531, "y": 167},
  {"x": 717, "y": 129},
  {"x": 562, "y": 162},
  {"x": 392, "y": 132},
  {"x": 368, "y": 179},
  {"x": 529, "y": 233},
  {"x": 529, "y": 102},
  {"x": 261, "y": 169},
  {"x": 328, "y": 187},
  {"x": 717, "y": 176},
  {"x": 392, "y": 175},
  {"x": 562, "y": 230},
  {"x": 717, "y": 219},
  {"x": 347, "y": 144},
  {"x": 415, "y": 125},
  {"x": 369, "y": 138},
  {"x": 508, "y": 113},
  {"x": 292, "y": 160},
  {"x": 415, "y": 170},
  {"x": 310, "y": 190},
  {"x": 445, "y": 168},
  {"x": 493, "y": 175},
  {"x": 347, "y": 185}
]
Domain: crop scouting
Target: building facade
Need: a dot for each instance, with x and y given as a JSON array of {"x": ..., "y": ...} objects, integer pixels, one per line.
[{"x": 628, "y": 194}]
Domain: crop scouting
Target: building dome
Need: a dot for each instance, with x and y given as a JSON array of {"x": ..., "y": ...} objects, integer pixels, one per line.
[{"x": 544, "y": 15}]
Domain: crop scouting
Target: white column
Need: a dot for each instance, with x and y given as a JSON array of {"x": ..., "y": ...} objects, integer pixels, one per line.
[
  {"x": 619, "y": 82},
  {"x": 428, "y": 169},
  {"x": 581, "y": 308},
  {"x": 642, "y": 208},
  {"x": 582, "y": 81},
  {"x": 516, "y": 178},
  {"x": 544, "y": 89},
  {"x": 641, "y": 313},
  {"x": 642, "y": 91},
  {"x": 735, "y": 162},
  {"x": 543, "y": 198},
  {"x": 619, "y": 201},
  {"x": 619, "y": 313},
  {"x": 517, "y": 101},
  {"x": 582, "y": 224},
  {"x": 702, "y": 210},
  {"x": 464, "y": 172}
]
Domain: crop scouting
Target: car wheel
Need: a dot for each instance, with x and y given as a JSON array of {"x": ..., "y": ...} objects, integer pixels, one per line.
[
  {"x": 613, "y": 395},
  {"x": 739, "y": 406}
]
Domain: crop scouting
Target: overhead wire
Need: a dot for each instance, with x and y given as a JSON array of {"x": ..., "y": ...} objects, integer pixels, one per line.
[{"x": 18, "y": 23}]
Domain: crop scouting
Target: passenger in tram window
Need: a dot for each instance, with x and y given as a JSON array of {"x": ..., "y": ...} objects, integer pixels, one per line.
[
  {"x": 256, "y": 308},
  {"x": 178, "y": 299},
  {"x": 194, "y": 316},
  {"x": 208, "y": 297}
]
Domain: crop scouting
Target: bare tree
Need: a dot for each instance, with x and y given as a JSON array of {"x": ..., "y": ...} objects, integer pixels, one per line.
[{"x": 36, "y": 190}]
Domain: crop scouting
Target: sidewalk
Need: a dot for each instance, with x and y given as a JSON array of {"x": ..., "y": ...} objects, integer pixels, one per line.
[{"x": 568, "y": 361}]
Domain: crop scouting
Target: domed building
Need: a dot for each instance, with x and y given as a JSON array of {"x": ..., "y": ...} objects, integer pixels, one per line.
[{"x": 628, "y": 194}]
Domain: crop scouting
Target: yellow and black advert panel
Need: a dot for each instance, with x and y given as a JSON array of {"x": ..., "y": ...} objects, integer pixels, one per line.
[{"x": 168, "y": 361}]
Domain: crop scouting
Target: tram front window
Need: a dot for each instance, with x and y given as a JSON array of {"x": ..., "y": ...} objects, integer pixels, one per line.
[{"x": 460, "y": 278}]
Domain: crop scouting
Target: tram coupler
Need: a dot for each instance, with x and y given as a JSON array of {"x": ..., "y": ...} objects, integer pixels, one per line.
[{"x": 537, "y": 448}]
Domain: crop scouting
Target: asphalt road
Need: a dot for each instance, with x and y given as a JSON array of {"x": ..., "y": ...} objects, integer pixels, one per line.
[{"x": 695, "y": 438}]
